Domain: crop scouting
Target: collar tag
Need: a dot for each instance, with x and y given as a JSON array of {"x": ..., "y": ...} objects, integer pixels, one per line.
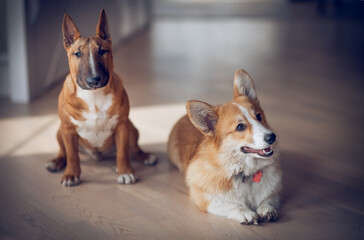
[{"x": 257, "y": 176}]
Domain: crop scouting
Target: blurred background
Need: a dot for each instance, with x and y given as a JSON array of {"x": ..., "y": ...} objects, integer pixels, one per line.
[
  {"x": 32, "y": 58},
  {"x": 305, "y": 56}
]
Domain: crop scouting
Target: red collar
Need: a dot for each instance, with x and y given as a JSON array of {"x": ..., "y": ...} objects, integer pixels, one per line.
[{"x": 257, "y": 176}]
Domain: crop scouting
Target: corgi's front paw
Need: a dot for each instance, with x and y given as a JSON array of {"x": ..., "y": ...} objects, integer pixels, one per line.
[
  {"x": 246, "y": 217},
  {"x": 267, "y": 214},
  {"x": 127, "y": 178}
]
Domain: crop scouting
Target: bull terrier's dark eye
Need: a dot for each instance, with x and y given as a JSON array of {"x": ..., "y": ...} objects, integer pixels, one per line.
[
  {"x": 259, "y": 117},
  {"x": 77, "y": 54},
  {"x": 241, "y": 127},
  {"x": 102, "y": 51}
]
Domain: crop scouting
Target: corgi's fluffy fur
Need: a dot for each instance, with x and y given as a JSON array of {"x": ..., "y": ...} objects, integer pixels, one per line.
[{"x": 228, "y": 156}]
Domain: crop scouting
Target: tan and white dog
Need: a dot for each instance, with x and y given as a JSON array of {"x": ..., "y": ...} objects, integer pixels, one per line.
[
  {"x": 93, "y": 107},
  {"x": 226, "y": 154}
]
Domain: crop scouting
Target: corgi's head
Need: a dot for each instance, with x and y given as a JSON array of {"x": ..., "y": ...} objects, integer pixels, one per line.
[{"x": 238, "y": 128}]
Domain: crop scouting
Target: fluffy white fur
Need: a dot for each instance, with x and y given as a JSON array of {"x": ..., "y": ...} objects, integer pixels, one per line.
[
  {"x": 248, "y": 201},
  {"x": 219, "y": 176}
]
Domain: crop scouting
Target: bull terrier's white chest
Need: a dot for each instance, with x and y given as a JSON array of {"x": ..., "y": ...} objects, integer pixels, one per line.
[{"x": 98, "y": 125}]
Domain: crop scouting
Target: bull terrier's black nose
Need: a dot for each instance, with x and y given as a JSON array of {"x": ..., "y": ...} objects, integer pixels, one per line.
[
  {"x": 93, "y": 81},
  {"x": 270, "y": 138}
]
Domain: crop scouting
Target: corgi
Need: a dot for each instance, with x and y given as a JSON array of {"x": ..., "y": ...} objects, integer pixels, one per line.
[{"x": 227, "y": 154}]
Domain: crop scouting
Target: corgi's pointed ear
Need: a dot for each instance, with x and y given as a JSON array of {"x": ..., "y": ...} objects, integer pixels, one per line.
[
  {"x": 202, "y": 116},
  {"x": 70, "y": 32},
  {"x": 244, "y": 85},
  {"x": 102, "y": 28}
]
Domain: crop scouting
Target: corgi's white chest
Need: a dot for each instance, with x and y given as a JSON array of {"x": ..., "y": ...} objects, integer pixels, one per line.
[
  {"x": 98, "y": 125},
  {"x": 253, "y": 193},
  {"x": 246, "y": 192}
]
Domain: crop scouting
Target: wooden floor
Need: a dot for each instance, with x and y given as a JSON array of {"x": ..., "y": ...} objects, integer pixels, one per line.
[{"x": 309, "y": 76}]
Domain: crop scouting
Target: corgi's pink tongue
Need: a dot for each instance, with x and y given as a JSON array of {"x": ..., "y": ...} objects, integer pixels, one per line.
[
  {"x": 262, "y": 152},
  {"x": 252, "y": 150}
]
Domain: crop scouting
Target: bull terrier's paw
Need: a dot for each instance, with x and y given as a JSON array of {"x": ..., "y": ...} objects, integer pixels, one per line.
[
  {"x": 267, "y": 214},
  {"x": 51, "y": 166},
  {"x": 151, "y": 160},
  {"x": 69, "y": 180},
  {"x": 55, "y": 165},
  {"x": 127, "y": 178}
]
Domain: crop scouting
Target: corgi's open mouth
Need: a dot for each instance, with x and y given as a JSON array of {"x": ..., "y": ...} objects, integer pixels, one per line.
[{"x": 261, "y": 152}]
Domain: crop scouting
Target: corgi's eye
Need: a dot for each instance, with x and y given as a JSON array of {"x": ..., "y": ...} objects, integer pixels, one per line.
[
  {"x": 259, "y": 117},
  {"x": 241, "y": 127},
  {"x": 77, "y": 54}
]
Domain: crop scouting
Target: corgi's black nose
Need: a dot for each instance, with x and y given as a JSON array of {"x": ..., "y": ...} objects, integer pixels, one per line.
[
  {"x": 93, "y": 81},
  {"x": 270, "y": 138}
]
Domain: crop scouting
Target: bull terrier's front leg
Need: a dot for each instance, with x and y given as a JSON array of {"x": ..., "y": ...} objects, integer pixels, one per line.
[
  {"x": 71, "y": 176},
  {"x": 123, "y": 167}
]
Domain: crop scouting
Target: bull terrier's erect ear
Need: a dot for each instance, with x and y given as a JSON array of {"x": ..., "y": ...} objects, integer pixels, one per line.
[
  {"x": 202, "y": 116},
  {"x": 102, "y": 28},
  {"x": 244, "y": 85},
  {"x": 70, "y": 32}
]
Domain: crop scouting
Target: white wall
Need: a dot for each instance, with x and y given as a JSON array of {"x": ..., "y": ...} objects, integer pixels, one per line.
[
  {"x": 17, "y": 52},
  {"x": 4, "y": 82}
]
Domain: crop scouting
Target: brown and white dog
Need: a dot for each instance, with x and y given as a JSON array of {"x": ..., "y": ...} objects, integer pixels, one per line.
[
  {"x": 93, "y": 107},
  {"x": 226, "y": 154}
]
